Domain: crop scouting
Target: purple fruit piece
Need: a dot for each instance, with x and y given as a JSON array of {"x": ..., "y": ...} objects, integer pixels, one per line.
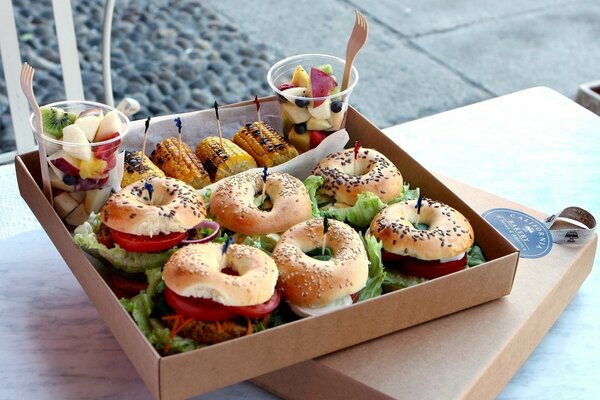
[
  {"x": 285, "y": 86},
  {"x": 65, "y": 166},
  {"x": 322, "y": 84},
  {"x": 89, "y": 183}
]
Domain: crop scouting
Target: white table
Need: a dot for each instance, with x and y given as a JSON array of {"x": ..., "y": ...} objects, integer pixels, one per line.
[{"x": 535, "y": 147}]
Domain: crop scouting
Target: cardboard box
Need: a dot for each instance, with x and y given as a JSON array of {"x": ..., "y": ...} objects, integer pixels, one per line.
[
  {"x": 468, "y": 355},
  {"x": 188, "y": 374}
]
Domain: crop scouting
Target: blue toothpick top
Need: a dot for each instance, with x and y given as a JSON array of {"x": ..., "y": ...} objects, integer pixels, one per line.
[
  {"x": 178, "y": 124},
  {"x": 418, "y": 205},
  {"x": 148, "y": 186},
  {"x": 227, "y": 243},
  {"x": 147, "y": 124},
  {"x": 264, "y": 174}
]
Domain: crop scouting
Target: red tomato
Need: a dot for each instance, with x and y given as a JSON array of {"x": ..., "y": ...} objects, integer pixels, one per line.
[
  {"x": 141, "y": 243},
  {"x": 201, "y": 309},
  {"x": 259, "y": 310},
  {"x": 208, "y": 310},
  {"x": 124, "y": 287},
  {"x": 423, "y": 269}
]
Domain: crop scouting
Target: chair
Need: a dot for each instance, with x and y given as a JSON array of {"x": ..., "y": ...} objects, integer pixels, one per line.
[{"x": 69, "y": 59}]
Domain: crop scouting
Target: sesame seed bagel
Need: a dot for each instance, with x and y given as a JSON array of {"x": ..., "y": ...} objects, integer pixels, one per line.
[
  {"x": 309, "y": 282},
  {"x": 173, "y": 206},
  {"x": 195, "y": 271},
  {"x": 449, "y": 235},
  {"x": 374, "y": 173},
  {"x": 233, "y": 203}
]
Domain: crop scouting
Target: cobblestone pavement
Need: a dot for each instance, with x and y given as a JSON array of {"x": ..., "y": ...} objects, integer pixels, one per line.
[{"x": 422, "y": 58}]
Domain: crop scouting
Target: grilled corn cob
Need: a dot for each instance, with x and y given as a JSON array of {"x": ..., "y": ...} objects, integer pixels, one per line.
[
  {"x": 264, "y": 144},
  {"x": 223, "y": 161},
  {"x": 185, "y": 167},
  {"x": 138, "y": 167}
]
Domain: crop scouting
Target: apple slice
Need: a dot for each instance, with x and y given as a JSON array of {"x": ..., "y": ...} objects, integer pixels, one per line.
[
  {"x": 95, "y": 199},
  {"x": 63, "y": 163},
  {"x": 314, "y": 124},
  {"x": 294, "y": 91},
  {"x": 75, "y": 143},
  {"x": 321, "y": 84},
  {"x": 110, "y": 124},
  {"x": 338, "y": 118},
  {"x": 64, "y": 204},
  {"x": 78, "y": 216},
  {"x": 56, "y": 181},
  {"x": 295, "y": 114},
  {"x": 322, "y": 111},
  {"x": 89, "y": 125}
]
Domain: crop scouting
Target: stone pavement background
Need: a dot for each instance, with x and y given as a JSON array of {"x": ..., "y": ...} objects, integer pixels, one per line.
[{"x": 422, "y": 57}]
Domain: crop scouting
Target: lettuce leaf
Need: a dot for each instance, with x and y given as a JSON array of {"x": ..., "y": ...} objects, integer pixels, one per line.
[
  {"x": 395, "y": 280},
  {"x": 475, "y": 256},
  {"x": 265, "y": 243},
  {"x": 376, "y": 273},
  {"x": 361, "y": 213},
  {"x": 407, "y": 194},
  {"x": 314, "y": 183},
  {"x": 85, "y": 237},
  {"x": 141, "y": 306}
]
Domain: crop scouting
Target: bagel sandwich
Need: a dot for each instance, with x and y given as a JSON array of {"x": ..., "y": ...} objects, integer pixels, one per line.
[
  {"x": 139, "y": 227},
  {"x": 423, "y": 241},
  {"x": 208, "y": 296}
]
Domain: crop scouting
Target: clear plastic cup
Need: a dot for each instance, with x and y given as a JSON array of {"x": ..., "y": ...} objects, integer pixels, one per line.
[
  {"x": 83, "y": 171},
  {"x": 306, "y": 118}
]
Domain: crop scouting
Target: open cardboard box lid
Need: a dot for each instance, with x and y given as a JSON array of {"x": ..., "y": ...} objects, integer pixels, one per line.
[{"x": 205, "y": 369}]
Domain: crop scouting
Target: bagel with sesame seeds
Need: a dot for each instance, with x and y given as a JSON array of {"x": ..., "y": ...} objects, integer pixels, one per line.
[
  {"x": 373, "y": 172},
  {"x": 314, "y": 286},
  {"x": 434, "y": 246},
  {"x": 218, "y": 293},
  {"x": 234, "y": 203},
  {"x": 154, "y": 206}
]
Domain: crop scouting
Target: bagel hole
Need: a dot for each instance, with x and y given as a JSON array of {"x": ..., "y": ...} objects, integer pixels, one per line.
[
  {"x": 317, "y": 254},
  {"x": 230, "y": 271},
  {"x": 263, "y": 203},
  {"x": 421, "y": 226}
]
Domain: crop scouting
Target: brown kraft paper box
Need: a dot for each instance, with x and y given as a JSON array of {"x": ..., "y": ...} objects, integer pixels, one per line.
[{"x": 206, "y": 369}]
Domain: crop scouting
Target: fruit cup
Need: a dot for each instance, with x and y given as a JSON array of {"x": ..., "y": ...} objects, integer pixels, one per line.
[
  {"x": 312, "y": 104},
  {"x": 84, "y": 155}
]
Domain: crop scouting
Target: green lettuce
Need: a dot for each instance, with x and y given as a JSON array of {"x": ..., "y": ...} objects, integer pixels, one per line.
[
  {"x": 395, "y": 280},
  {"x": 314, "y": 183},
  {"x": 141, "y": 306},
  {"x": 361, "y": 213},
  {"x": 407, "y": 194},
  {"x": 265, "y": 243},
  {"x": 475, "y": 256},
  {"x": 377, "y": 274},
  {"x": 131, "y": 262}
]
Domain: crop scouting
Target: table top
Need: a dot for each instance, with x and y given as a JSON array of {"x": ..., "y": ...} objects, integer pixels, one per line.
[{"x": 534, "y": 147}]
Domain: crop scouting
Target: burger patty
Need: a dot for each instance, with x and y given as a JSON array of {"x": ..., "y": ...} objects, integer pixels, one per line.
[{"x": 210, "y": 332}]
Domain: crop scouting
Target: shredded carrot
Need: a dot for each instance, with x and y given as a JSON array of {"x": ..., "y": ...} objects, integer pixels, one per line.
[
  {"x": 248, "y": 327},
  {"x": 219, "y": 326},
  {"x": 178, "y": 325}
]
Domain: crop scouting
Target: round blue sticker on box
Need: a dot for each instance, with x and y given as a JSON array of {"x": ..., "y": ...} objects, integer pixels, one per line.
[{"x": 525, "y": 232}]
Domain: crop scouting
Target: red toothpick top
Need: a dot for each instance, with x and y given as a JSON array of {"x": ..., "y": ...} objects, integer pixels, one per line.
[{"x": 356, "y": 149}]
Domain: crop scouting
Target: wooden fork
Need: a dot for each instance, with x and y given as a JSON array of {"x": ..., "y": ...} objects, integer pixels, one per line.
[
  {"x": 27, "y": 86},
  {"x": 357, "y": 40}
]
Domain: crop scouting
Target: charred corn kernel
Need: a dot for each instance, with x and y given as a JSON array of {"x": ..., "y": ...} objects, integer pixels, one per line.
[
  {"x": 223, "y": 161},
  {"x": 185, "y": 167},
  {"x": 138, "y": 167},
  {"x": 264, "y": 144}
]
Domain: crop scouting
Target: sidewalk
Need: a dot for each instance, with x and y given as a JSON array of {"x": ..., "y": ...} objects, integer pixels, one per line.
[{"x": 423, "y": 58}]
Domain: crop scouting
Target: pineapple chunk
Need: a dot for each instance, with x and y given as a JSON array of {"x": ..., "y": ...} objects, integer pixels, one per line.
[{"x": 93, "y": 168}]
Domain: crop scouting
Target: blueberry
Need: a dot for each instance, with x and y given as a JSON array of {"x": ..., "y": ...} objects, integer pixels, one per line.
[
  {"x": 69, "y": 180},
  {"x": 302, "y": 103},
  {"x": 336, "y": 106},
  {"x": 300, "y": 128}
]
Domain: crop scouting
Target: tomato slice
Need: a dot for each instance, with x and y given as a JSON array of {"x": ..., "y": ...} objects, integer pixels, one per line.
[
  {"x": 421, "y": 268},
  {"x": 209, "y": 310},
  {"x": 259, "y": 310},
  {"x": 147, "y": 244}
]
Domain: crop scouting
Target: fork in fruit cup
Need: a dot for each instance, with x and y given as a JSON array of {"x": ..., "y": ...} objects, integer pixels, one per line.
[{"x": 27, "y": 72}]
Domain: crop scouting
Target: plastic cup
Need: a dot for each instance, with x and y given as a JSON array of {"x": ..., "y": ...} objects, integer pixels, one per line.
[
  {"x": 83, "y": 173},
  {"x": 306, "y": 117}
]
